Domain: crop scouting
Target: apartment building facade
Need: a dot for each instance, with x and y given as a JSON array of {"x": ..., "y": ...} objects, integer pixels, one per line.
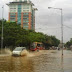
[{"x": 22, "y": 12}]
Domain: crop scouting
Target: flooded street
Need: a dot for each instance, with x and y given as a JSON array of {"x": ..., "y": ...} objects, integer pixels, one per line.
[{"x": 43, "y": 61}]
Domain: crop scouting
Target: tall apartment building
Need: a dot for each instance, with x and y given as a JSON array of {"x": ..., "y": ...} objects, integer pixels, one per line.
[{"x": 22, "y": 12}]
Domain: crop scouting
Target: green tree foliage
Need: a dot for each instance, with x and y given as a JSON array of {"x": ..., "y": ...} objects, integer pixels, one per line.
[
  {"x": 14, "y": 35},
  {"x": 69, "y": 43}
]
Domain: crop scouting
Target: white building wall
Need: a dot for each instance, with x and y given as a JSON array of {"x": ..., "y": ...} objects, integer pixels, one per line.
[
  {"x": 16, "y": 8},
  {"x": 13, "y": 8},
  {"x": 26, "y": 8},
  {"x": 30, "y": 8}
]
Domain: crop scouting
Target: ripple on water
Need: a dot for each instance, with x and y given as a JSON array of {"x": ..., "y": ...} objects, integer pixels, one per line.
[{"x": 43, "y": 61}]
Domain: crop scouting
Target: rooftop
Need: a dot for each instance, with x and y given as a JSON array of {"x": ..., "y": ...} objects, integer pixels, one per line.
[{"x": 21, "y": 2}]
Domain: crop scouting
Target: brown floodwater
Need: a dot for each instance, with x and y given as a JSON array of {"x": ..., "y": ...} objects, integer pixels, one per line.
[{"x": 42, "y": 61}]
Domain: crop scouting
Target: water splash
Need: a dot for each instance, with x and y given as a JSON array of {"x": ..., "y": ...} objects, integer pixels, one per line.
[
  {"x": 27, "y": 53},
  {"x": 8, "y": 51}
]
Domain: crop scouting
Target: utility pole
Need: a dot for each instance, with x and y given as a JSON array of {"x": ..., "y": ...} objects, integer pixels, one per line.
[
  {"x": 2, "y": 29},
  {"x": 62, "y": 29},
  {"x": 61, "y": 25}
]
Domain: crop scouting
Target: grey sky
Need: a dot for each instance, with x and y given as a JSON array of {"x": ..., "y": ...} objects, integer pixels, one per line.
[{"x": 48, "y": 20}]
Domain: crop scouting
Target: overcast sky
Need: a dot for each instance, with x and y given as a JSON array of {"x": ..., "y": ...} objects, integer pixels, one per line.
[{"x": 48, "y": 21}]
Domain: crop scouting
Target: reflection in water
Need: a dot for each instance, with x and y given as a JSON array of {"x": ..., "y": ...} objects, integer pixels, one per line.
[
  {"x": 5, "y": 63},
  {"x": 41, "y": 62},
  {"x": 62, "y": 61},
  {"x": 18, "y": 64}
]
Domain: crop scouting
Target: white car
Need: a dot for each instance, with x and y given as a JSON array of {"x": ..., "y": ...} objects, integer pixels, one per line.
[{"x": 18, "y": 51}]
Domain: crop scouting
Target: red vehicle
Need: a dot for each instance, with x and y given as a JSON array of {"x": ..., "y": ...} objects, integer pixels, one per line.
[{"x": 36, "y": 46}]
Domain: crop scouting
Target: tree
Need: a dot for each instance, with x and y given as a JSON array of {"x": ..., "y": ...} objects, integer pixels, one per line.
[{"x": 14, "y": 35}]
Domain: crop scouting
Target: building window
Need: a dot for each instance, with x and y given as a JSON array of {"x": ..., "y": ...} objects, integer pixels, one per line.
[
  {"x": 25, "y": 10},
  {"x": 25, "y": 21},
  {"x": 19, "y": 14},
  {"x": 25, "y": 18},
  {"x": 26, "y": 7},
  {"x": 12, "y": 10},
  {"x": 26, "y": 24},
  {"x": 25, "y": 15},
  {"x": 12, "y": 13},
  {"x": 12, "y": 16}
]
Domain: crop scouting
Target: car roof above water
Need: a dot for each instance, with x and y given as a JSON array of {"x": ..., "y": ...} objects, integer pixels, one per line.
[{"x": 19, "y": 48}]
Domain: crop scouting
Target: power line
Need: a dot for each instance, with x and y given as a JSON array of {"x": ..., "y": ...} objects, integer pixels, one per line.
[
  {"x": 48, "y": 28},
  {"x": 68, "y": 27}
]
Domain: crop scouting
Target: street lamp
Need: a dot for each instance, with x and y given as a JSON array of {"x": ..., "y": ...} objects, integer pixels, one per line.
[
  {"x": 2, "y": 29},
  {"x": 61, "y": 25}
]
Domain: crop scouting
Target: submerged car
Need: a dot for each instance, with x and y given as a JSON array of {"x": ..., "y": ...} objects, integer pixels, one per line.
[{"x": 19, "y": 51}]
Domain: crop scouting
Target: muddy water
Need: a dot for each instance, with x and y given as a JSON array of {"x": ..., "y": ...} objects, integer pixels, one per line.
[{"x": 42, "y": 61}]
